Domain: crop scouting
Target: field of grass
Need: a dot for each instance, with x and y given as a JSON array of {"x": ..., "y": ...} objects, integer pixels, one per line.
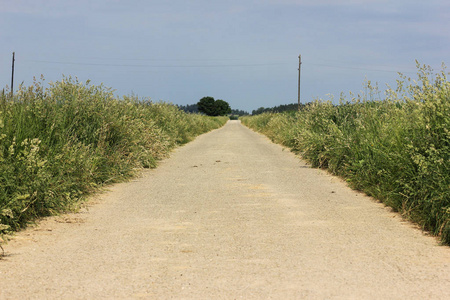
[
  {"x": 60, "y": 143},
  {"x": 394, "y": 146}
]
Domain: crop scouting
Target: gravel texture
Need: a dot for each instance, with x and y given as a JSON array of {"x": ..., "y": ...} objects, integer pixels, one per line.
[{"x": 228, "y": 216}]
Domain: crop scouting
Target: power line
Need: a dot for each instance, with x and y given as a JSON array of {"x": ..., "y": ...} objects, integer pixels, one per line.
[
  {"x": 162, "y": 59},
  {"x": 357, "y": 68},
  {"x": 157, "y": 66},
  {"x": 231, "y": 65}
]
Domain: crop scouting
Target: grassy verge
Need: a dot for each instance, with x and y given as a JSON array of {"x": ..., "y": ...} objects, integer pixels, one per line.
[
  {"x": 396, "y": 149},
  {"x": 60, "y": 143}
]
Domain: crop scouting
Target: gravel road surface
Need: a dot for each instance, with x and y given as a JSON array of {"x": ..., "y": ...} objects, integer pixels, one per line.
[{"x": 227, "y": 216}]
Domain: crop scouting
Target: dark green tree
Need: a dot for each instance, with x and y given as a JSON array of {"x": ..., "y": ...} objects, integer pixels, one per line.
[
  {"x": 211, "y": 107},
  {"x": 222, "y": 107},
  {"x": 206, "y": 105}
]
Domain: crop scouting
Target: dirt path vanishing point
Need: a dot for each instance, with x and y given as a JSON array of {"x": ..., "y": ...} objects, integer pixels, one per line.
[{"x": 228, "y": 216}]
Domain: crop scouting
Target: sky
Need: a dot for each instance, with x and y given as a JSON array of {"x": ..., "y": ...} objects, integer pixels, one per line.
[{"x": 242, "y": 51}]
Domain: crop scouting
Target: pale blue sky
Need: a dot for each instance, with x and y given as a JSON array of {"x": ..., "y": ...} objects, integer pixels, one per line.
[{"x": 244, "y": 52}]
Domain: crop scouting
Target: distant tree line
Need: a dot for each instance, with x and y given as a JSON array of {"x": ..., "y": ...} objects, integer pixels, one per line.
[
  {"x": 189, "y": 108},
  {"x": 193, "y": 109},
  {"x": 238, "y": 112},
  {"x": 277, "y": 109}
]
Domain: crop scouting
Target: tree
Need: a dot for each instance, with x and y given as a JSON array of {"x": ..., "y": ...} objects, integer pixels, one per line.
[
  {"x": 211, "y": 107},
  {"x": 222, "y": 107},
  {"x": 206, "y": 105}
]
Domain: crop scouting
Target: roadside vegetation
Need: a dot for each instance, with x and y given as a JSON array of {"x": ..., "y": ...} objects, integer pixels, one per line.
[
  {"x": 394, "y": 146},
  {"x": 60, "y": 143}
]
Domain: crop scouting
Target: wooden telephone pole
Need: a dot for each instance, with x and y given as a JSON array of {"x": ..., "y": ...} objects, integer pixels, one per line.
[
  {"x": 299, "y": 71},
  {"x": 12, "y": 75}
]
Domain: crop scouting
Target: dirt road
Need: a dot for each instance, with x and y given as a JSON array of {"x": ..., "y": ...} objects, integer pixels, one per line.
[{"x": 228, "y": 216}]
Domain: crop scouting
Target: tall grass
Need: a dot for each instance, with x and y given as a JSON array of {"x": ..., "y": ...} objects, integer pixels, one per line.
[
  {"x": 396, "y": 148},
  {"x": 58, "y": 144}
]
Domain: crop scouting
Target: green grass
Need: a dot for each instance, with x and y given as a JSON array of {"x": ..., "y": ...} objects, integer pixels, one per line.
[
  {"x": 60, "y": 143},
  {"x": 395, "y": 148}
]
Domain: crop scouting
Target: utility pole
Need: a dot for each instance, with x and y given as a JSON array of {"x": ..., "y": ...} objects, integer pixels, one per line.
[
  {"x": 299, "y": 70},
  {"x": 12, "y": 75}
]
